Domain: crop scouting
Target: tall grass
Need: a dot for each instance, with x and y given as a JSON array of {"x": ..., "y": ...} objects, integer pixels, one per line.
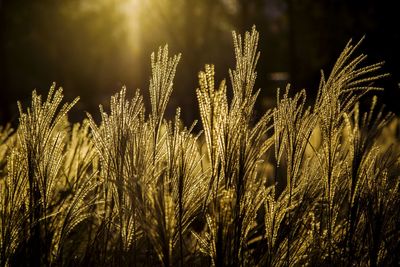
[{"x": 305, "y": 184}]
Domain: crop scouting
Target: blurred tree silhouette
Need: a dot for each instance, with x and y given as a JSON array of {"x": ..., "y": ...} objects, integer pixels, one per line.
[
  {"x": 319, "y": 29},
  {"x": 92, "y": 48},
  {"x": 80, "y": 45}
]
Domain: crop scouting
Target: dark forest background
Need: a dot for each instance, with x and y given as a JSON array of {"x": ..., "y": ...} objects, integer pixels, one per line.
[{"x": 93, "y": 47}]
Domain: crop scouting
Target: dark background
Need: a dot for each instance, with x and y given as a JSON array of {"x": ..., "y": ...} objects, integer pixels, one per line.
[{"x": 93, "y": 47}]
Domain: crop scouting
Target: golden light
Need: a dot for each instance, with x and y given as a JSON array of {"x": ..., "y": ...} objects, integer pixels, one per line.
[{"x": 130, "y": 12}]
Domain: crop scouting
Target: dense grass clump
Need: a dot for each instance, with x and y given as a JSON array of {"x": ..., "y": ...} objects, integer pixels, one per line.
[{"x": 303, "y": 185}]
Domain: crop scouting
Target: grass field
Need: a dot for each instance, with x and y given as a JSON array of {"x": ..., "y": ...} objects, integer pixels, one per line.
[{"x": 304, "y": 184}]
